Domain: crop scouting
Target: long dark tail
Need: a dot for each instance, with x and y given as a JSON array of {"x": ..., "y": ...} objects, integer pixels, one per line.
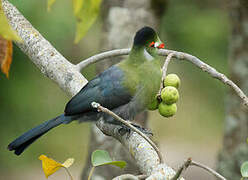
[{"x": 23, "y": 141}]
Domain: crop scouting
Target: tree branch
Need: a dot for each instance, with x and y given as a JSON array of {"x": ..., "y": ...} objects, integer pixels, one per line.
[
  {"x": 101, "y": 56},
  {"x": 143, "y": 153},
  {"x": 130, "y": 177},
  {"x": 179, "y": 55},
  {"x": 128, "y": 124},
  {"x": 52, "y": 64},
  {"x": 193, "y": 163},
  {"x": 126, "y": 177},
  {"x": 182, "y": 168},
  {"x": 143, "y": 150},
  {"x": 190, "y": 162}
]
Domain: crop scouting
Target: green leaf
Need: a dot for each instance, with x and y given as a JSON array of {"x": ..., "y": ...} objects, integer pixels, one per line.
[
  {"x": 101, "y": 157},
  {"x": 86, "y": 12},
  {"x": 244, "y": 169},
  {"x": 120, "y": 164},
  {"x": 49, "y": 4},
  {"x": 5, "y": 30}
]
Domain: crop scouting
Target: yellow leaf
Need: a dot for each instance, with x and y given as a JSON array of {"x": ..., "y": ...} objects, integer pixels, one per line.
[
  {"x": 5, "y": 30},
  {"x": 49, "y": 165},
  {"x": 77, "y": 4},
  {"x": 68, "y": 162},
  {"x": 49, "y": 4},
  {"x": 5, "y": 55},
  {"x": 86, "y": 15}
]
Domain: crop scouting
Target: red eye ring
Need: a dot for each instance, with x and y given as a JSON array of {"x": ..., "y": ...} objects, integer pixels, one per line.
[
  {"x": 152, "y": 44},
  {"x": 161, "y": 46}
]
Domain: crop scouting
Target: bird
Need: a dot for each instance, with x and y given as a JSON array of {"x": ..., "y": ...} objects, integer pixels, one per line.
[{"x": 125, "y": 88}]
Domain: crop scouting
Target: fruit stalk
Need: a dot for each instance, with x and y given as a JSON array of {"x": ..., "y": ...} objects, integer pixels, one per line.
[{"x": 164, "y": 71}]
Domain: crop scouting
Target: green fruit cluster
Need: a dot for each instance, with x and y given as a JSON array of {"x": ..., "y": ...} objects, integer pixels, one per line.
[{"x": 169, "y": 96}]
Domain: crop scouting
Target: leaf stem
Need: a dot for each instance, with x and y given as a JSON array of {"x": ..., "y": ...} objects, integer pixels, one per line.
[
  {"x": 91, "y": 172},
  {"x": 68, "y": 172}
]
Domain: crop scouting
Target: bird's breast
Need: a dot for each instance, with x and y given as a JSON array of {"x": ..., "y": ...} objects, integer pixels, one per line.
[
  {"x": 151, "y": 80},
  {"x": 143, "y": 81}
]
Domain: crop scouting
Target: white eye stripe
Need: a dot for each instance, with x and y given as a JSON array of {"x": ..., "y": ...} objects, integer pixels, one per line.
[{"x": 156, "y": 44}]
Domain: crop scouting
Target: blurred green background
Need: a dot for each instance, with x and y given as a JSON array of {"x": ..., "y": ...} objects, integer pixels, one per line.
[{"x": 28, "y": 98}]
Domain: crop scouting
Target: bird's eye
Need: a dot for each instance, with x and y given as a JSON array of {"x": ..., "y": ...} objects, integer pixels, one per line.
[{"x": 152, "y": 44}]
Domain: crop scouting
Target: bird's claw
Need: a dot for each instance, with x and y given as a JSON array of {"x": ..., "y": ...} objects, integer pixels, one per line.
[
  {"x": 143, "y": 130},
  {"x": 124, "y": 129}
]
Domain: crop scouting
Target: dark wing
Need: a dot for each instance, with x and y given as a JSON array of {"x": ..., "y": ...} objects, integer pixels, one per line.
[{"x": 106, "y": 89}]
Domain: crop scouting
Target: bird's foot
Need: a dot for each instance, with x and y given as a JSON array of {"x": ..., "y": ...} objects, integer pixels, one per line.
[
  {"x": 143, "y": 130},
  {"x": 124, "y": 129}
]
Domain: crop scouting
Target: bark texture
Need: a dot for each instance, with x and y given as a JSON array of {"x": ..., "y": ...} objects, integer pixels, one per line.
[{"x": 235, "y": 148}]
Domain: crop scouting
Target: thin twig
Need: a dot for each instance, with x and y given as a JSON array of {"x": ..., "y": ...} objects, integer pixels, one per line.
[
  {"x": 126, "y": 123},
  {"x": 101, "y": 56},
  {"x": 164, "y": 71},
  {"x": 190, "y": 162},
  {"x": 182, "y": 168},
  {"x": 193, "y": 163},
  {"x": 207, "y": 68},
  {"x": 179, "y": 55}
]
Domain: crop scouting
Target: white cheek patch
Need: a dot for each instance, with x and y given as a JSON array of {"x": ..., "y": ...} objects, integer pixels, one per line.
[
  {"x": 156, "y": 44},
  {"x": 148, "y": 56}
]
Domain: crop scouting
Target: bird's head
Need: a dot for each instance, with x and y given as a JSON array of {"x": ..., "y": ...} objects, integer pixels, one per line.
[{"x": 147, "y": 39}]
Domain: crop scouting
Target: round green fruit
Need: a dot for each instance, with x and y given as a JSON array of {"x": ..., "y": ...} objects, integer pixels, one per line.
[
  {"x": 169, "y": 95},
  {"x": 153, "y": 105},
  {"x": 167, "y": 110},
  {"x": 172, "y": 80}
]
